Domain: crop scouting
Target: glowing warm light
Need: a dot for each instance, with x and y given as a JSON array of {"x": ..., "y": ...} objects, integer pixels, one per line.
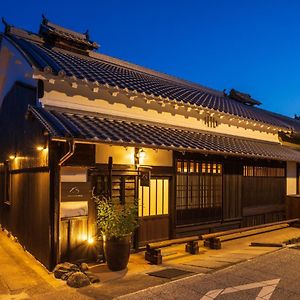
[
  {"x": 142, "y": 154},
  {"x": 90, "y": 240},
  {"x": 139, "y": 156},
  {"x": 12, "y": 157},
  {"x": 82, "y": 237},
  {"x": 41, "y": 148}
]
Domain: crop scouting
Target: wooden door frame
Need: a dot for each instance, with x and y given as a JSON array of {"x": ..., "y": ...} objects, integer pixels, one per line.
[{"x": 169, "y": 215}]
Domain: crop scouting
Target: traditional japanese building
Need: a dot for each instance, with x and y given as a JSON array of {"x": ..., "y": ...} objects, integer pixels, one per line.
[{"x": 73, "y": 121}]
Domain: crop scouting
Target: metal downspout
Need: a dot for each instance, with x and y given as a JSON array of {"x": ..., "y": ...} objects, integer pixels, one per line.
[{"x": 70, "y": 152}]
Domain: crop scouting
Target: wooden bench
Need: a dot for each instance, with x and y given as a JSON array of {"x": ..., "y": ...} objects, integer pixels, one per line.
[
  {"x": 153, "y": 250},
  {"x": 214, "y": 240}
]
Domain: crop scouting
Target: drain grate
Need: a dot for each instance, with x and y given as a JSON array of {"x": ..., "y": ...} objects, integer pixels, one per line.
[{"x": 170, "y": 273}]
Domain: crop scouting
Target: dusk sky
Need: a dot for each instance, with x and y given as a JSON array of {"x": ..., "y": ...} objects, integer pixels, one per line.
[{"x": 252, "y": 46}]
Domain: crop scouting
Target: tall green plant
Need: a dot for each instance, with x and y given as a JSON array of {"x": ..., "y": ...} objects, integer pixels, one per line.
[{"x": 115, "y": 220}]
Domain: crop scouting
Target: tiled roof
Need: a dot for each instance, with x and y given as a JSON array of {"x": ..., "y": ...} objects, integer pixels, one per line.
[
  {"x": 116, "y": 73},
  {"x": 48, "y": 29},
  {"x": 97, "y": 128}
]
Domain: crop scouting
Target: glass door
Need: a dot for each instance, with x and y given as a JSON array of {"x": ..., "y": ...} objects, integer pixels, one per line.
[{"x": 154, "y": 210}]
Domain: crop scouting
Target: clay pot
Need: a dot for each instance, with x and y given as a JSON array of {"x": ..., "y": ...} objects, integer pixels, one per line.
[{"x": 117, "y": 251}]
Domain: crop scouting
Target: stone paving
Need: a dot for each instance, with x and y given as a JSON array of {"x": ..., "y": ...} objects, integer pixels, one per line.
[
  {"x": 274, "y": 276},
  {"x": 22, "y": 277}
]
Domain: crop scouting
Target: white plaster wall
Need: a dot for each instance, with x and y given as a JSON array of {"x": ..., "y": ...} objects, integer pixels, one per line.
[
  {"x": 120, "y": 155},
  {"x": 73, "y": 174},
  {"x": 157, "y": 157},
  {"x": 138, "y": 109},
  {"x": 125, "y": 155},
  {"x": 291, "y": 178},
  {"x": 13, "y": 67}
]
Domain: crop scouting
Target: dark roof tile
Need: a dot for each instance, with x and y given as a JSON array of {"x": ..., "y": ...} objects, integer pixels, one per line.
[
  {"x": 97, "y": 128},
  {"x": 107, "y": 70}
]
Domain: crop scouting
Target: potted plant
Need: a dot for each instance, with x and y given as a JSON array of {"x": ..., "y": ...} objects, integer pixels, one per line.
[{"x": 115, "y": 225}]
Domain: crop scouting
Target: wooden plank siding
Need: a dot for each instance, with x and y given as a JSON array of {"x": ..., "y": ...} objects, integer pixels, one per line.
[
  {"x": 263, "y": 199},
  {"x": 298, "y": 179},
  {"x": 260, "y": 191},
  {"x": 19, "y": 133},
  {"x": 84, "y": 155},
  {"x": 73, "y": 232},
  {"x": 27, "y": 216},
  {"x": 153, "y": 229},
  {"x": 232, "y": 191},
  {"x": 25, "y": 204}
]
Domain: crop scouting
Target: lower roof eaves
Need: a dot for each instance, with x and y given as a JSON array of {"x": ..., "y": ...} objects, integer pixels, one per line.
[{"x": 95, "y": 128}]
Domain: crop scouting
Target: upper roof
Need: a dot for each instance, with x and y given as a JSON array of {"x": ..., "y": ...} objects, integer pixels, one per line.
[
  {"x": 101, "y": 69},
  {"x": 54, "y": 34},
  {"x": 96, "y": 128}
]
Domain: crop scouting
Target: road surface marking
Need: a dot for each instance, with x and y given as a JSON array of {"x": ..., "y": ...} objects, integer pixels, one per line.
[{"x": 268, "y": 287}]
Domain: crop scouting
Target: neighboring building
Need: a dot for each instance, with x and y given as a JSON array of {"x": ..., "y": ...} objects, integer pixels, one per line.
[{"x": 73, "y": 120}]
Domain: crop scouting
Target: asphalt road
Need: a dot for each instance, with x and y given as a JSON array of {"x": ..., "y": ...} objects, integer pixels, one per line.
[{"x": 272, "y": 276}]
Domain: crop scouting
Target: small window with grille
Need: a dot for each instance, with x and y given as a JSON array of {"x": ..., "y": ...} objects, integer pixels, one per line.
[
  {"x": 259, "y": 171},
  {"x": 210, "y": 121}
]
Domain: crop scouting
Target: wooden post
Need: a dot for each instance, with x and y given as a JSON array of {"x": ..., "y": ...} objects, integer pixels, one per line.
[
  {"x": 54, "y": 204},
  {"x": 110, "y": 165}
]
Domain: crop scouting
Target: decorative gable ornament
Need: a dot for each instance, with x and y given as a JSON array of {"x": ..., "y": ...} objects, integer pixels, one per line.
[{"x": 57, "y": 36}]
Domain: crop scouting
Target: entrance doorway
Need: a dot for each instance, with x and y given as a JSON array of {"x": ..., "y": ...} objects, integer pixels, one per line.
[{"x": 154, "y": 210}]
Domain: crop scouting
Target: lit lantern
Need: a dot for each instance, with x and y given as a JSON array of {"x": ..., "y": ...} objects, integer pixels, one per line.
[{"x": 140, "y": 156}]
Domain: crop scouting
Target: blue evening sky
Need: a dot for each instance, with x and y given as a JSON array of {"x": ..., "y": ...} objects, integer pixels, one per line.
[{"x": 249, "y": 45}]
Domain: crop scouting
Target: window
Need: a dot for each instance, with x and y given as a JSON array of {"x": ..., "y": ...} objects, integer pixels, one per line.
[
  {"x": 210, "y": 121},
  {"x": 258, "y": 171},
  {"x": 123, "y": 188},
  {"x": 184, "y": 166},
  {"x": 154, "y": 200},
  {"x": 198, "y": 191}
]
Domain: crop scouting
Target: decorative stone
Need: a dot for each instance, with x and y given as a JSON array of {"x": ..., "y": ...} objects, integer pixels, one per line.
[
  {"x": 66, "y": 275},
  {"x": 84, "y": 267},
  {"x": 92, "y": 277},
  {"x": 62, "y": 269},
  {"x": 78, "y": 280}
]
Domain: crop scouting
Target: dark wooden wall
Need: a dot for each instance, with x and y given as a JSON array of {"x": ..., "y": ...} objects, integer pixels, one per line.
[
  {"x": 298, "y": 178},
  {"x": 19, "y": 135},
  {"x": 84, "y": 155},
  {"x": 2, "y": 192},
  {"x": 261, "y": 191},
  {"x": 263, "y": 200},
  {"x": 232, "y": 190},
  {"x": 28, "y": 213},
  {"x": 25, "y": 209}
]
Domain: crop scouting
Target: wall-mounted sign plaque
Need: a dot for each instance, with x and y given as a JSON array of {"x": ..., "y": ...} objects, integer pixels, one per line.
[{"x": 75, "y": 191}]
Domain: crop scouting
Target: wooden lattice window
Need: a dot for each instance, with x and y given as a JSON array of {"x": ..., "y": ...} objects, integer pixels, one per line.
[
  {"x": 198, "y": 190},
  {"x": 259, "y": 171}
]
